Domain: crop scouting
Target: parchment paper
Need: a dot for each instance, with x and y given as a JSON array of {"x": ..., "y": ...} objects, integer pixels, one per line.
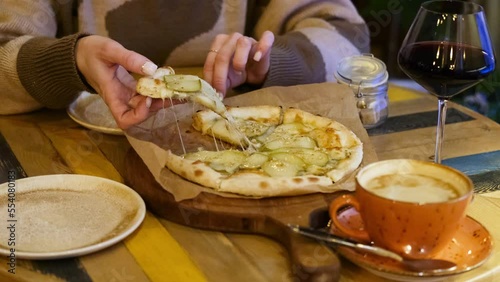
[{"x": 152, "y": 138}]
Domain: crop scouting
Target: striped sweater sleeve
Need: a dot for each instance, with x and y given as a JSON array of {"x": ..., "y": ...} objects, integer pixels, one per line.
[
  {"x": 311, "y": 38},
  {"x": 47, "y": 70},
  {"x": 36, "y": 69}
]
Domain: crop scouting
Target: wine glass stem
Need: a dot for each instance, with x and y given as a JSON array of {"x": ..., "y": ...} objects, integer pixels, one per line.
[{"x": 442, "y": 106}]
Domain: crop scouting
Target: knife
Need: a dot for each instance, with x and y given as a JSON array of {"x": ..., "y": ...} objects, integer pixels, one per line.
[{"x": 334, "y": 239}]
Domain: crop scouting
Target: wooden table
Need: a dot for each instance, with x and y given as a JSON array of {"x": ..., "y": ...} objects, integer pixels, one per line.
[{"x": 49, "y": 142}]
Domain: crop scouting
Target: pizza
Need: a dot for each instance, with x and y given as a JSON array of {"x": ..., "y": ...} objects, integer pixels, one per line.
[
  {"x": 292, "y": 152},
  {"x": 259, "y": 151}
]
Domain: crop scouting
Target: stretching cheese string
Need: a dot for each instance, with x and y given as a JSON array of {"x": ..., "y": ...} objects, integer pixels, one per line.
[{"x": 178, "y": 127}]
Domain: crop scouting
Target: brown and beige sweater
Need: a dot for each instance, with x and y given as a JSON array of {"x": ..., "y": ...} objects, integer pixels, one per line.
[{"x": 37, "y": 39}]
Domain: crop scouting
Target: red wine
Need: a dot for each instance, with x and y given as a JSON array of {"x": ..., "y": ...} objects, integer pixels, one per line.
[{"x": 444, "y": 68}]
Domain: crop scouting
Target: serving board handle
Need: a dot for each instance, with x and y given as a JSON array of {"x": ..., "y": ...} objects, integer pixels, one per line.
[{"x": 310, "y": 260}]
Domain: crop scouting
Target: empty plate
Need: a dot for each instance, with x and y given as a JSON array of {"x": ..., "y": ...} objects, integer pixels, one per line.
[{"x": 66, "y": 215}]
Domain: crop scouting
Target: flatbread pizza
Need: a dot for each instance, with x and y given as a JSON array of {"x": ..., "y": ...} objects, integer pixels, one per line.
[
  {"x": 297, "y": 152},
  {"x": 266, "y": 151}
]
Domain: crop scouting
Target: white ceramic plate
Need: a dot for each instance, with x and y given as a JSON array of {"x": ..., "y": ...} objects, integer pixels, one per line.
[
  {"x": 66, "y": 215},
  {"x": 90, "y": 111}
]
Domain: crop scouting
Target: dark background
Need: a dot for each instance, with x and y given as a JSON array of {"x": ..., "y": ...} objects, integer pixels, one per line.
[{"x": 388, "y": 21}]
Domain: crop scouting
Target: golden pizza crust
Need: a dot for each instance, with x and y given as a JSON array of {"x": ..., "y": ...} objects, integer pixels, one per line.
[
  {"x": 259, "y": 185},
  {"x": 195, "y": 171}
]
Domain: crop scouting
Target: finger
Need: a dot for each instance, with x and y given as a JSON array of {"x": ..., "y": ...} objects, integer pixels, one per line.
[
  {"x": 208, "y": 68},
  {"x": 133, "y": 116},
  {"x": 243, "y": 47},
  {"x": 139, "y": 111},
  {"x": 125, "y": 78},
  {"x": 149, "y": 100},
  {"x": 130, "y": 60},
  {"x": 222, "y": 62},
  {"x": 155, "y": 104},
  {"x": 264, "y": 45},
  {"x": 149, "y": 68},
  {"x": 118, "y": 99},
  {"x": 138, "y": 99},
  {"x": 133, "y": 112},
  {"x": 128, "y": 113}
]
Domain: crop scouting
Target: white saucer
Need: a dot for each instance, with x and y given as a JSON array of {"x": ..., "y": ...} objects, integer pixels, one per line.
[
  {"x": 66, "y": 215},
  {"x": 470, "y": 248},
  {"x": 90, "y": 111}
]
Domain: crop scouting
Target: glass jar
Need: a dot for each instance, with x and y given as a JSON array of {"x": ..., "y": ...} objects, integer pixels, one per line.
[{"x": 367, "y": 77}]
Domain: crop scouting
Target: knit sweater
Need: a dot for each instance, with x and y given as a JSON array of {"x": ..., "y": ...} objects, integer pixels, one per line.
[{"x": 38, "y": 38}]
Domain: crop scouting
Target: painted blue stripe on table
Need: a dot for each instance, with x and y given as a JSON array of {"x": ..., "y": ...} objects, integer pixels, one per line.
[
  {"x": 483, "y": 169},
  {"x": 9, "y": 162},
  {"x": 417, "y": 120},
  {"x": 68, "y": 269}
]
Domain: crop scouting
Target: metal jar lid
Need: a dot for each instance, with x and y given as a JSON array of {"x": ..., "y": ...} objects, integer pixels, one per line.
[{"x": 364, "y": 70}]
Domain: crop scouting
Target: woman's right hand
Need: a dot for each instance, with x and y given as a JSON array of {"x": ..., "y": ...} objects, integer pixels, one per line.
[{"x": 105, "y": 64}]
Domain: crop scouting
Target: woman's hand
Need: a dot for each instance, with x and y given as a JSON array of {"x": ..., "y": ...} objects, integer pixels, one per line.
[
  {"x": 106, "y": 64},
  {"x": 236, "y": 59}
]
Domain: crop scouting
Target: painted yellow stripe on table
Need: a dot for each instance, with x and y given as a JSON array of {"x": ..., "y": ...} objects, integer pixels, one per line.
[
  {"x": 398, "y": 93},
  {"x": 159, "y": 255}
]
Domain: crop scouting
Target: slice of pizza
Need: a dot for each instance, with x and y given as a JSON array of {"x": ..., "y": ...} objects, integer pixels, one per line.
[
  {"x": 297, "y": 152},
  {"x": 165, "y": 84}
]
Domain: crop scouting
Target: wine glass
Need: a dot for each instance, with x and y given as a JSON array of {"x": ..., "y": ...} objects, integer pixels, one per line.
[{"x": 447, "y": 50}]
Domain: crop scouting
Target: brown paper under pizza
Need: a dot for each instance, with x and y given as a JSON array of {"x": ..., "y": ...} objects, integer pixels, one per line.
[{"x": 152, "y": 138}]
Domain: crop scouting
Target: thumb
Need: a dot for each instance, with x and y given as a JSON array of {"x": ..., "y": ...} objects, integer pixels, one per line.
[{"x": 149, "y": 68}]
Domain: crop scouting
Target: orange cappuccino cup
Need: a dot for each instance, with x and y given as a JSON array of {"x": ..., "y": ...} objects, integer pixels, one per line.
[{"x": 408, "y": 206}]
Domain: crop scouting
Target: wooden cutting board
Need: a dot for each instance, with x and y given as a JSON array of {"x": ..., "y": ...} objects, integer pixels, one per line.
[{"x": 311, "y": 261}]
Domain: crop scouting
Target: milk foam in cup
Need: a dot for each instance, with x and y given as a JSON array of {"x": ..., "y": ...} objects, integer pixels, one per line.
[
  {"x": 412, "y": 188},
  {"x": 408, "y": 206}
]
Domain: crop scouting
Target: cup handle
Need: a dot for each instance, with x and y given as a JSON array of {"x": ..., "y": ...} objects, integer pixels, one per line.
[{"x": 339, "y": 203}]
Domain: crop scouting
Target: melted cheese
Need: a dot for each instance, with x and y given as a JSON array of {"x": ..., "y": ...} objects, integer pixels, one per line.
[
  {"x": 165, "y": 84},
  {"x": 290, "y": 149}
]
